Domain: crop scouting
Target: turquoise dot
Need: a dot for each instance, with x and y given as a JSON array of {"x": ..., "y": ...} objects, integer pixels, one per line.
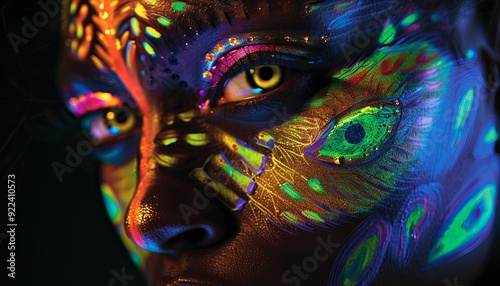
[{"x": 114, "y": 130}]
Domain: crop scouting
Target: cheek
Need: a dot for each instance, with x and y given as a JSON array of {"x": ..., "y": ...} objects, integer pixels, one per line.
[
  {"x": 118, "y": 183},
  {"x": 313, "y": 177},
  {"x": 359, "y": 140}
]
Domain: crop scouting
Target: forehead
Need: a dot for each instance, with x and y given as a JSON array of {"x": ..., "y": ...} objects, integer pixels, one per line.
[{"x": 102, "y": 36}]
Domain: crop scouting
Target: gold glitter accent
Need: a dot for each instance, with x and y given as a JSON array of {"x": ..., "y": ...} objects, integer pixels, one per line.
[
  {"x": 209, "y": 57},
  {"x": 233, "y": 41},
  {"x": 103, "y": 15},
  {"x": 219, "y": 48}
]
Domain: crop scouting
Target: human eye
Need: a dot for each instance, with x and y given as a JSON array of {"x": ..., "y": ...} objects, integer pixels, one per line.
[
  {"x": 255, "y": 82},
  {"x": 114, "y": 131},
  {"x": 358, "y": 135},
  {"x": 251, "y": 84}
]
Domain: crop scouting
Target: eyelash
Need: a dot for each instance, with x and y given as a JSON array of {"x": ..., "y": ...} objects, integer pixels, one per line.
[{"x": 264, "y": 108}]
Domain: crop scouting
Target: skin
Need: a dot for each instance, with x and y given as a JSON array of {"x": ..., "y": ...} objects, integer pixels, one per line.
[{"x": 370, "y": 161}]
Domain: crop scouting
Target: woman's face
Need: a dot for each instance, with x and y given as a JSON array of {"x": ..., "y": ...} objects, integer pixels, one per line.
[{"x": 288, "y": 142}]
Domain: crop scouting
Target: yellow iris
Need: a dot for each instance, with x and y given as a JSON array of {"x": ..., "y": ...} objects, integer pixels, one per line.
[
  {"x": 255, "y": 82},
  {"x": 122, "y": 120},
  {"x": 266, "y": 77}
]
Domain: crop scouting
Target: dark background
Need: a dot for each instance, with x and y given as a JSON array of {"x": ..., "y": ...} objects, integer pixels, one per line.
[{"x": 63, "y": 235}]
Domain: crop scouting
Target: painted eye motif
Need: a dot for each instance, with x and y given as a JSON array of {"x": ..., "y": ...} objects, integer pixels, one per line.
[
  {"x": 109, "y": 123},
  {"x": 255, "y": 82},
  {"x": 358, "y": 136}
]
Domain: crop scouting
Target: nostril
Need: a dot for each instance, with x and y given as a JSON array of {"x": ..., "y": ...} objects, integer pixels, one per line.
[
  {"x": 166, "y": 216},
  {"x": 194, "y": 237}
]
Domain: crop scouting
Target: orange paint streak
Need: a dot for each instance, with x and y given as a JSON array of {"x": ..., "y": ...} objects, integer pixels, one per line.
[{"x": 113, "y": 56}]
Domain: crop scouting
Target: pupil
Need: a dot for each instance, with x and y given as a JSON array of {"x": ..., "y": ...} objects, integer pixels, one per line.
[
  {"x": 121, "y": 115},
  {"x": 266, "y": 73},
  {"x": 354, "y": 133}
]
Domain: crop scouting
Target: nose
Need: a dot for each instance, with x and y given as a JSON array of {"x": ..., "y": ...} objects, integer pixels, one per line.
[{"x": 168, "y": 215}]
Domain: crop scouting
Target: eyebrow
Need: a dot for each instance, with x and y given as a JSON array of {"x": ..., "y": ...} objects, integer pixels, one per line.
[
  {"x": 184, "y": 20},
  {"x": 92, "y": 101}
]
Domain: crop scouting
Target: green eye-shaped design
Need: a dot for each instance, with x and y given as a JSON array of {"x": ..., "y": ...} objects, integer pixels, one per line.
[{"x": 357, "y": 136}]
